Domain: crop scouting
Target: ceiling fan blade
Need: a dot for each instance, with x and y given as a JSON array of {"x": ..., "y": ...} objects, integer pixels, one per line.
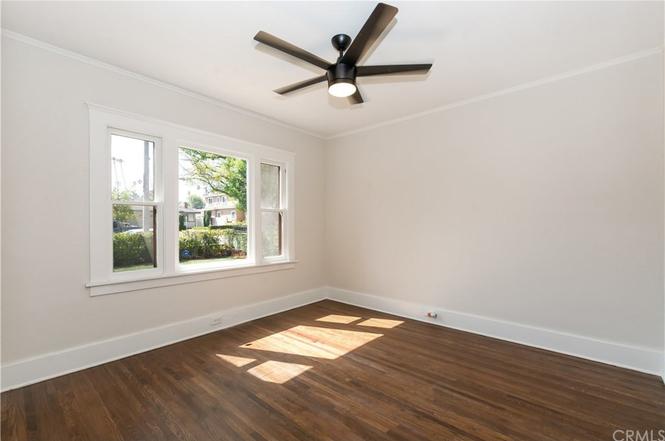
[
  {"x": 295, "y": 51},
  {"x": 300, "y": 85},
  {"x": 389, "y": 69},
  {"x": 373, "y": 27},
  {"x": 356, "y": 98}
]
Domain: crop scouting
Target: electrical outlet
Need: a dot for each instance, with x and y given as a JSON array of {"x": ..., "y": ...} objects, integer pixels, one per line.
[{"x": 217, "y": 321}]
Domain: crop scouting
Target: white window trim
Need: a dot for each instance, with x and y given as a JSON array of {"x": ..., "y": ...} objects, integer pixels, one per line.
[{"x": 169, "y": 137}]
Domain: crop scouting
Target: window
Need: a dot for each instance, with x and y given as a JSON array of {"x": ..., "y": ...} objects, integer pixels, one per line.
[
  {"x": 217, "y": 240},
  {"x": 134, "y": 208},
  {"x": 168, "y": 203},
  {"x": 272, "y": 211}
]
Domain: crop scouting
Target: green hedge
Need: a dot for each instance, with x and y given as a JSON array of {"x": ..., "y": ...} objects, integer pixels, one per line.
[
  {"x": 204, "y": 243},
  {"x": 235, "y": 227},
  {"x": 130, "y": 249}
]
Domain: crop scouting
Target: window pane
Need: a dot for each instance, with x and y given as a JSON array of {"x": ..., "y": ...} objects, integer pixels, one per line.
[
  {"x": 134, "y": 242},
  {"x": 132, "y": 162},
  {"x": 269, "y": 186},
  {"x": 271, "y": 224},
  {"x": 211, "y": 209}
]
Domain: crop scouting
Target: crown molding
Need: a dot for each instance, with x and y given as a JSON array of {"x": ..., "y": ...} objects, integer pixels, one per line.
[
  {"x": 153, "y": 81},
  {"x": 524, "y": 86},
  {"x": 207, "y": 99}
]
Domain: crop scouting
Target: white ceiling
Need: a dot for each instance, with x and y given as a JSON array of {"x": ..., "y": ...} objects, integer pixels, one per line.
[{"x": 476, "y": 48}]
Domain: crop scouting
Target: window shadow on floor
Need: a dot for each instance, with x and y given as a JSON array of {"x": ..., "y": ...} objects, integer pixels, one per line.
[{"x": 316, "y": 338}]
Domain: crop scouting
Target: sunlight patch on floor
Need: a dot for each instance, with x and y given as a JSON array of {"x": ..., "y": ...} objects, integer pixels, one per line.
[
  {"x": 313, "y": 341},
  {"x": 380, "y": 323},
  {"x": 334, "y": 318},
  {"x": 236, "y": 361},
  {"x": 277, "y": 371}
]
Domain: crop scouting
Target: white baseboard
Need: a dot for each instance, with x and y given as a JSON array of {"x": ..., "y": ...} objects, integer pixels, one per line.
[
  {"x": 36, "y": 369},
  {"x": 632, "y": 357},
  {"x": 32, "y": 370}
]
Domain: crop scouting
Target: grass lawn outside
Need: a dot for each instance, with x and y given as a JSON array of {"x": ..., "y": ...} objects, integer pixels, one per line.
[
  {"x": 142, "y": 266},
  {"x": 220, "y": 259}
]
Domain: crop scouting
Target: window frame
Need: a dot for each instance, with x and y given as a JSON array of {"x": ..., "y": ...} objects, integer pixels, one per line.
[
  {"x": 157, "y": 203},
  {"x": 168, "y": 138},
  {"x": 282, "y": 209},
  {"x": 251, "y": 259}
]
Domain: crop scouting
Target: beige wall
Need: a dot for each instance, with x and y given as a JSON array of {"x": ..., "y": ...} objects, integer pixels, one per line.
[
  {"x": 45, "y": 206},
  {"x": 542, "y": 207}
]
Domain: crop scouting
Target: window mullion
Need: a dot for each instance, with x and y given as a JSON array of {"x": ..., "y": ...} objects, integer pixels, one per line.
[
  {"x": 285, "y": 231},
  {"x": 256, "y": 210},
  {"x": 169, "y": 170},
  {"x": 288, "y": 201},
  {"x": 283, "y": 205}
]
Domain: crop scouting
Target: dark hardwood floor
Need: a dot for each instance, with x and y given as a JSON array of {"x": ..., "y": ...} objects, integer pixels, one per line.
[{"x": 330, "y": 371}]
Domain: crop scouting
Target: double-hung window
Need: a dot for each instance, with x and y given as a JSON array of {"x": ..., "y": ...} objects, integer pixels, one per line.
[
  {"x": 134, "y": 202},
  {"x": 171, "y": 204},
  {"x": 273, "y": 210}
]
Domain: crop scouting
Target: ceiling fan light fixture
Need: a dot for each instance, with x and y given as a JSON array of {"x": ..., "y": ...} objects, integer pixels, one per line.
[
  {"x": 342, "y": 88},
  {"x": 341, "y": 75}
]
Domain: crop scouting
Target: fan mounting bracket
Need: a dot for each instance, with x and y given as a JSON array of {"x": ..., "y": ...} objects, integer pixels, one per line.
[{"x": 341, "y": 42}]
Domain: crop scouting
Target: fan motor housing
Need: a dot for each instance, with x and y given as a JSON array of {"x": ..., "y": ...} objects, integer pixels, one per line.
[{"x": 341, "y": 73}]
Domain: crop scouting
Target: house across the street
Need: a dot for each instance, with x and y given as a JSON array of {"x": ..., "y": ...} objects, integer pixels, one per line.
[{"x": 222, "y": 211}]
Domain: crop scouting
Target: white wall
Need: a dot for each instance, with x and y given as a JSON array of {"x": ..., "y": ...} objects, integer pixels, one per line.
[
  {"x": 542, "y": 207},
  {"x": 45, "y": 206}
]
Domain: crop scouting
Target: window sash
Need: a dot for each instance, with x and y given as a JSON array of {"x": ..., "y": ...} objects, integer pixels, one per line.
[
  {"x": 282, "y": 234},
  {"x": 156, "y": 233}
]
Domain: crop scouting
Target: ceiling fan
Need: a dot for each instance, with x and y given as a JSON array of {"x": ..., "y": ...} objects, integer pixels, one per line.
[{"x": 342, "y": 74}]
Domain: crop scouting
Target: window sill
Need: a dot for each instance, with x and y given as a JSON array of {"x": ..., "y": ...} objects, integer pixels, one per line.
[{"x": 117, "y": 286}]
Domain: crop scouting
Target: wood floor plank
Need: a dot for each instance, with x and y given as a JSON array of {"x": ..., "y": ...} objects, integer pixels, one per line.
[{"x": 330, "y": 371}]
